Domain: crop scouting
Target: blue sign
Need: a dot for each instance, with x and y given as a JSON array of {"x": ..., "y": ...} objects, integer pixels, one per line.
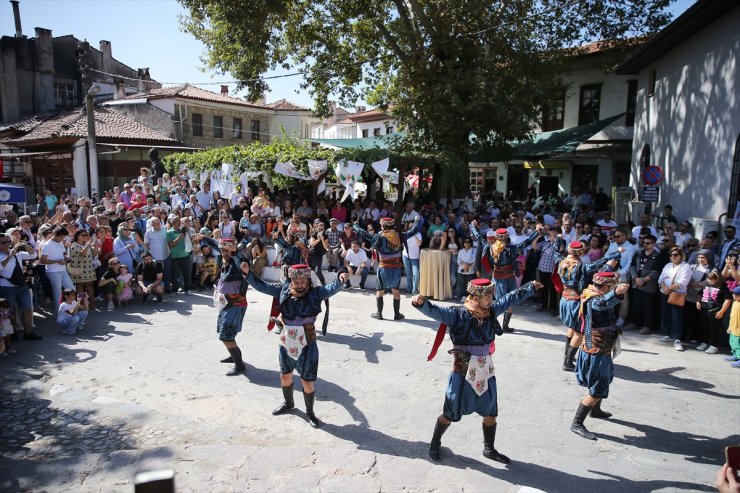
[
  {"x": 12, "y": 194},
  {"x": 650, "y": 194}
]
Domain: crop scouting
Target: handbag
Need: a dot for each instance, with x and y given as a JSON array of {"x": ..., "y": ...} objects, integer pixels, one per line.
[
  {"x": 17, "y": 278},
  {"x": 674, "y": 298}
]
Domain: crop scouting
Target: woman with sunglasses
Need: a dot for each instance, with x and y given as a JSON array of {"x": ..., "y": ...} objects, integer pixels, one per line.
[
  {"x": 674, "y": 278},
  {"x": 465, "y": 268},
  {"x": 108, "y": 282}
]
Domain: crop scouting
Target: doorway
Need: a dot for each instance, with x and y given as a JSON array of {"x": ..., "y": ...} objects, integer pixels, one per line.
[{"x": 548, "y": 186}]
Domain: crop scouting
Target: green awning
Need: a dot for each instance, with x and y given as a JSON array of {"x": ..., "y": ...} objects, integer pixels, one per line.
[
  {"x": 381, "y": 142},
  {"x": 558, "y": 142}
]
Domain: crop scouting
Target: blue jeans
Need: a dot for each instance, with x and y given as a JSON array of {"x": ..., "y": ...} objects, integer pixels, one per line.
[
  {"x": 73, "y": 323},
  {"x": 671, "y": 323},
  {"x": 58, "y": 281},
  {"x": 363, "y": 274},
  {"x": 411, "y": 267}
]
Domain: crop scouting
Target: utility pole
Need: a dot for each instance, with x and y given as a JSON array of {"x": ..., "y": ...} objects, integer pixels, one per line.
[{"x": 90, "y": 89}]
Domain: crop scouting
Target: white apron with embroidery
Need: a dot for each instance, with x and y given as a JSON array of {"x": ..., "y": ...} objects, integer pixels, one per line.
[
  {"x": 480, "y": 369},
  {"x": 293, "y": 339}
]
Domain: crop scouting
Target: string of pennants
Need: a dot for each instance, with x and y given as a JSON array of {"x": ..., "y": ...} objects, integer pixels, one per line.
[{"x": 348, "y": 173}]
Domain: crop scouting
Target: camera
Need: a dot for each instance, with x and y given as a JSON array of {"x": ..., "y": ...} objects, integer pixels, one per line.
[{"x": 184, "y": 230}]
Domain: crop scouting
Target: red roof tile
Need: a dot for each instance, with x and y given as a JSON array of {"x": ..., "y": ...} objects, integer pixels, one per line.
[
  {"x": 285, "y": 105},
  {"x": 191, "y": 92},
  {"x": 73, "y": 123}
]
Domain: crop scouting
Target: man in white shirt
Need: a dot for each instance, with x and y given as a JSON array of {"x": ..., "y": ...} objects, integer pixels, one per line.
[
  {"x": 569, "y": 233},
  {"x": 683, "y": 234},
  {"x": 409, "y": 214},
  {"x": 204, "y": 196},
  {"x": 14, "y": 288},
  {"x": 372, "y": 213},
  {"x": 54, "y": 257},
  {"x": 356, "y": 262},
  {"x": 155, "y": 240},
  {"x": 410, "y": 257},
  {"x": 625, "y": 262},
  {"x": 606, "y": 223},
  {"x": 644, "y": 223}
]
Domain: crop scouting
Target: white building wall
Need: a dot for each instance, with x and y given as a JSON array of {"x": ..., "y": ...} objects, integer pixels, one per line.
[
  {"x": 294, "y": 123},
  {"x": 692, "y": 121},
  {"x": 371, "y": 126},
  {"x": 613, "y": 93}
]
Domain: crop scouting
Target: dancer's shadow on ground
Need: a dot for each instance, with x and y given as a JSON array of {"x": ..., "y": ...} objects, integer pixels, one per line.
[
  {"x": 697, "y": 448},
  {"x": 665, "y": 376},
  {"x": 432, "y": 324},
  {"x": 539, "y": 335},
  {"x": 555, "y": 481},
  {"x": 325, "y": 391},
  {"x": 370, "y": 345}
]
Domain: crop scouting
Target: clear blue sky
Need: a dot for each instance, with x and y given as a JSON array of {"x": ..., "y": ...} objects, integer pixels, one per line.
[{"x": 145, "y": 33}]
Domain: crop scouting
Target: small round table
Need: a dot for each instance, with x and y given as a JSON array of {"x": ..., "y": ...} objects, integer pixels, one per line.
[{"x": 434, "y": 274}]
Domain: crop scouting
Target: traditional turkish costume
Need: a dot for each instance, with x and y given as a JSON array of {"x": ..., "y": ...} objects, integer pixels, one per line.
[
  {"x": 389, "y": 246},
  {"x": 471, "y": 387},
  {"x": 297, "y": 334},
  {"x": 230, "y": 298}
]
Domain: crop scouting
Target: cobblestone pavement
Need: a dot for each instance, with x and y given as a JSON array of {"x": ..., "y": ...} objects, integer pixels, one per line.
[{"x": 142, "y": 389}]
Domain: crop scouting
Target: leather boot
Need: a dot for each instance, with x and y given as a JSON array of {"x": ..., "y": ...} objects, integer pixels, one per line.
[
  {"x": 239, "y": 366},
  {"x": 230, "y": 359},
  {"x": 596, "y": 412},
  {"x": 577, "y": 426},
  {"x": 568, "y": 365},
  {"x": 507, "y": 318},
  {"x": 567, "y": 343},
  {"x": 308, "y": 399},
  {"x": 379, "y": 314},
  {"x": 439, "y": 430},
  {"x": 489, "y": 452},
  {"x": 397, "y": 315},
  {"x": 287, "y": 402}
]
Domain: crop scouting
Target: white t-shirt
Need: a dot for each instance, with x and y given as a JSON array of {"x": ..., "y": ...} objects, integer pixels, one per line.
[
  {"x": 606, "y": 226},
  {"x": 64, "y": 309},
  {"x": 157, "y": 243},
  {"x": 414, "y": 247},
  {"x": 356, "y": 259},
  {"x": 54, "y": 250},
  {"x": 10, "y": 267}
]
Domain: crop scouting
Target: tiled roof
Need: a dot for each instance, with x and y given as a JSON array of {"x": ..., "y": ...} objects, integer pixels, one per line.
[
  {"x": 73, "y": 123},
  {"x": 366, "y": 116},
  {"x": 191, "y": 92},
  {"x": 25, "y": 125},
  {"x": 285, "y": 105}
]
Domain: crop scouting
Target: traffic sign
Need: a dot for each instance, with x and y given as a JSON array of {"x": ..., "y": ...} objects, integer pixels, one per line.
[
  {"x": 650, "y": 194},
  {"x": 653, "y": 175}
]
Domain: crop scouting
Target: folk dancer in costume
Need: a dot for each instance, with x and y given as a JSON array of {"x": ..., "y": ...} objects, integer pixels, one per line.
[
  {"x": 500, "y": 256},
  {"x": 230, "y": 298},
  {"x": 291, "y": 243},
  {"x": 595, "y": 366},
  {"x": 389, "y": 245},
  {"x": 573, "y": 274},
  {"x": 299, "y": 304},
  {"x": 472, "y": 383}
]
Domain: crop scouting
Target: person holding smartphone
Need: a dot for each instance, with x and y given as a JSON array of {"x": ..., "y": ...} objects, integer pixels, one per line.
[{"x": 72, "y": 312}]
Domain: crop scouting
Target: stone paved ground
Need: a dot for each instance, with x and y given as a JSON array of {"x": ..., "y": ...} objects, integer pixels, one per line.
[{"x": 143, "y": 389}]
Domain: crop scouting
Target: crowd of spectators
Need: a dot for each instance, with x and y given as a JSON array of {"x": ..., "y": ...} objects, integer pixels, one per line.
[{"x": 150, "y": 238}]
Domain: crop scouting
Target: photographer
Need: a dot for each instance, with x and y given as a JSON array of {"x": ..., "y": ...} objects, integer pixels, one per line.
[
  {"x": 180, "y": 258},
  {"x": 729, "y": 268},
  {"x": 72, "y": 312},
  {"x": 13, "y": 283}
]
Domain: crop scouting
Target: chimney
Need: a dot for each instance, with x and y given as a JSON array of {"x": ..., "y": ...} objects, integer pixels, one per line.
[
  {"x": 142, "y": 76},
  {"x": 107, "y": 51},
  {"x": 17, "y": 17},
  {"x": 361, "y": 109},
  {"x": 224, "y": 90},
  {"x": 333, "y": 107}
]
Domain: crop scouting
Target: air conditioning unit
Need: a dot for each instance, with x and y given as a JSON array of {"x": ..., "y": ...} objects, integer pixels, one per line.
[{"x": 702, "y": 226}]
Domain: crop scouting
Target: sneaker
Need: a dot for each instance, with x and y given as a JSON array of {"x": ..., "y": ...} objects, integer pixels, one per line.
[
  {"x": 111, "y": 306},
  {"x": 730, "y": 358},
  {"x": 702, "y": 346},
  {"x": 619, "y": 322},
  {"x": 665, "y": 339},
  {"x": 32, "y": 336},
  {"x": 645, "y": 330},
  {"x": 712, "y": 350},
  {"x": 677, "y": 345}
]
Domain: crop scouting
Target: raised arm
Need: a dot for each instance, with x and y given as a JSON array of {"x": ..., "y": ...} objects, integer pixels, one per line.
[
  {"x": 413, "y": 230},
  {"x": 445, "y": 315},
  {"x": 519, "y": 247},
  {"x": 558, "y": 249},
  {"x": 513, "y": 298},
  {"x": 263, "y": 287},
  {"x": 324, "y": 292},
  {"x": 363, "y": 234},
  {"x": 609, "y": 300},
  {"x": 595, "y": 266}
]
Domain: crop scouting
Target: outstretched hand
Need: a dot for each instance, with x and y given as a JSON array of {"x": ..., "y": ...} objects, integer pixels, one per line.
[
  {"x": 622, "y": 288},
  {"x": 537, "y": 284},
  {"x": 343, "y": 277},
  {"x": 726, "y": 481},
  {"x": 417, "y": 300},
  {"x": 245, "y": 268}
]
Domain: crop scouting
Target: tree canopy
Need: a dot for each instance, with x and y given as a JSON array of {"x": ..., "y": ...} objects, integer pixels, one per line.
[{"x": 456, "y": 74}]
